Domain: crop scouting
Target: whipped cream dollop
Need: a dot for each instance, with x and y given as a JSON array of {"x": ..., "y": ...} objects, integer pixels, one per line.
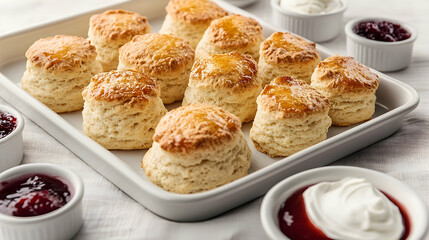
[
  {"x": 311, "y": 6},
  {"x": 352, "y": 209}
]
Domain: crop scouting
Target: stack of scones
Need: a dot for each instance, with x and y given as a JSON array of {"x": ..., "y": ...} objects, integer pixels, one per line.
[{"x": 224, "y": 73}]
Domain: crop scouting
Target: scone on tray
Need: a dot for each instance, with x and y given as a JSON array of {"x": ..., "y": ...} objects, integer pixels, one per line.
[
  {"x": 226, "y": 80},
  {"x": 122, "y": 109},
  {"x": 110, "y": 30},
  {"x": 350, "y": 87},
  {"x": 196, "y": 148},
  {"x": 165, "y": 57},
  {"x": 189, "y": 19},
  {"x": 291, "y": 116},
  {"x": 285, "y": 54},
  {"x": 231, "y": 33},
  {"x": 58, "y": 69}
]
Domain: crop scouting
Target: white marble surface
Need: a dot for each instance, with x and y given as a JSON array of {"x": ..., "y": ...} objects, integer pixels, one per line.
[{"x": 111, "y": 214}]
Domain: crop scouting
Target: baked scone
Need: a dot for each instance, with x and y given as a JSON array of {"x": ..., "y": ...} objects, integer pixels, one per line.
[
  {"x": 291, "y": 116},
  {"x": 189, "y": 19},
  {"x": 58, "y": 69},
  {"x": 111, "y": 30},
  {"x": 122, "y": 109},
  {"x": 165, "y": 57},
  {"x": 226, "y": 80},
  {"x": 350, "y": 88},
  {"x": 196, "y": 148},
  {"x": 285, "y": 54},
  {"x": 231, "y": 33}
]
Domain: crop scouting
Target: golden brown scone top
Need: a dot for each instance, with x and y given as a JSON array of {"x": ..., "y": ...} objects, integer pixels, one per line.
[
  {"x": 196, "y": 127},
  {"x": 195, "y": 11},
  {"x": 60, "y": 53},
  {"x": 345, "y": 74},
  {"x": 233, "y": 70},
  {"x": 292, "y": 97},
  {"x": 156, "y": 53},
  {"x": 124, "y": 86},
  {"x": 285, "y": 47},
  {"x": 234, "y": 31},
  {"x": 119, "y": 24}
]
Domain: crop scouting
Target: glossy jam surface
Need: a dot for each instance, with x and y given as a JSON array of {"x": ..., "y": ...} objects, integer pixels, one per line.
[
  {"x": 8, "y": 123},
  {"x": 381, "y": 31},
  {"x": 296, "y": 225},
  {"x": 32, "y": 195}
]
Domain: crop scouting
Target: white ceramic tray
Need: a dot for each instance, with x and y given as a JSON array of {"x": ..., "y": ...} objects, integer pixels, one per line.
[{"x": 394, "y": 100}]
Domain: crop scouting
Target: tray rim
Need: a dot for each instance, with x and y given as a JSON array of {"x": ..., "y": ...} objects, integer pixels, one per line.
[{"x": 413, "y": 100}]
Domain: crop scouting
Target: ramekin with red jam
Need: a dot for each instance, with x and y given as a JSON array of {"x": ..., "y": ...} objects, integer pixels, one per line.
[
  {"x": 11, "y": 146},
  {"x": 40, "y": 200},
  {"x": 382, "y": 44}
]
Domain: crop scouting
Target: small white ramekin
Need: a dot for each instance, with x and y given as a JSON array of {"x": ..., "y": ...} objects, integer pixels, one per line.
[
  {"x": 382, "y": 56},
  {"x": 273, "y": 200},
  {"x": 62, "y": 223},
  {"x": 315, "y": 27},
  {"x": 11, "y": 150}
]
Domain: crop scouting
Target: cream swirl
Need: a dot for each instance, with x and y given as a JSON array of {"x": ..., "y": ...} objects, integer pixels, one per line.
[
  {"x": 311, "y": 6},
  {"x": 352, "y": 209}
]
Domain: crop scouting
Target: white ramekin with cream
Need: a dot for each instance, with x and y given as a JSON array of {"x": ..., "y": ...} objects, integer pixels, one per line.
[
  {"x": 415, "y": 209},
  {"x": 313, "y": 20}
]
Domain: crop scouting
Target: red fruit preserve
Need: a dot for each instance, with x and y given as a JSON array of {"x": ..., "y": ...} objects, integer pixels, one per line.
[
  {"x": 8, "y": 123},
  {"x": 32, "y": 195},
  {"x": 296, "y": 225},
  {"x": 381, "y": 31}
]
